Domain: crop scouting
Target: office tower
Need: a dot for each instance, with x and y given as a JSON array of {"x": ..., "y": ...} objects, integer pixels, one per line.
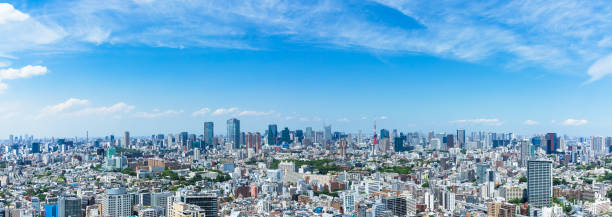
[
  {"x": 308, "y": 134},
  {"x": 11, "y": 139},
  {"x": 51, "y": 210},
  {"x": 206, "y": 201},
  {"x": 126, "y": 139},
  {"x": 111, "y": 141},
  {"x": 526, "y": 152},
  {"x": 539, "y": 183},
  {"x": 285, "y": 138},
  {"x": 272, "y": 134},
  {"x": 233, "y": 133},
  {"x": 449, "y": 201},
  {"x": 299, "y": 134},
  {"x": 398, "y": 144},
  {"x": 397, "y": 205},
  {"x": 343, "y": 144},
  {"x": 450, "y": 141},
  {"x": 35, "y": 147},
  {"x": 161, "y": 200},
  {"x": 68, "y": 207},
  {"x": 384, "y": 134},
  {"x": 327, "y": 133},
  {"x": 461, "y": 139},
  {"x": 552, "y": 143},
  {"x": 597, "y": 143},
  {"x": 209, "y": 133},
  {"x": 117, "y": 203},
  {"x": 481, "y": 172}
]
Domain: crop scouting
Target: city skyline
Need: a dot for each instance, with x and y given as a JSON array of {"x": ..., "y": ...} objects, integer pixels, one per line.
[{"x": 271, "y": 63}]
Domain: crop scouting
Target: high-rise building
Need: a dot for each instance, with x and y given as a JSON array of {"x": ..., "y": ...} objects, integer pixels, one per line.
[
  {"x": 126, "y": 139},
  {"x": 272, "y": 134},
  {"x": 68, "y": 207},
  {"x": 51, "y": 210},
  {"x": 461, "y": 139},
  {"x": 327, "y": 133},
  {"x": 552, "y": 143},
  {"x": 526, "y": 152},
  {"x": 308, "y": 134},
  {"x": 117, "y": 203},
  {"x": 208, "y": 133},
  {"x": 206, "y": 201},
  {"x": 35, "y": 147},
  {"x": 481, "y": 173},
  {"x": 233, "y": 132},
  {"x": 597, "y": 143},
  {"x": 397, "y": 205},
  {"x": 539, "y": 183},
  {"x": 348, "y": 202},
  {"x": 450, "y": 141},
  {"x": 285, "y": 137}
]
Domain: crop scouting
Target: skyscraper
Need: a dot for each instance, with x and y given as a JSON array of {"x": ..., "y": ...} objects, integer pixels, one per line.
[
  {"x": 272, "y": 134},
  {"x": 461, "y": 138},
  {"x": 526, "y": 152},
  {"x": 117, "y": 203},
  {"x": 233, "y": 132},
  {"x": 539, "y": 183},
  {"x": 285, "y": 138},
  {"x": 327, "y": 133},
  {"x": 208, "y": 133},
  {"x": 126, "y": 139},
  {"x": 552, "y": 143}
]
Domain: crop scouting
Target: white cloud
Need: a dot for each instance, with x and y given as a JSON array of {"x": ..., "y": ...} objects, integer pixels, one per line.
[
  {"x": 157, "y": 113},
  {"x": 201, "y": 112},
  {"x": 574, "y": 122},
  {"x": 8, "y": 14},
  {"x": 75, "y": 107},
  {"x": 255, "y": 113},
  {"x": 486, "y": 121},
  {"x": 530, "y": 122},
  {"x": 345, "y": 120},
  {"x": 383, "y": 118},
  {"x": 115, "y": 109},
  {"x": 225, "y": 111},
  {"x": 24, "y": 72},
  {"x": 68, "y": 104},
  {"x": 600, "y": 68}
]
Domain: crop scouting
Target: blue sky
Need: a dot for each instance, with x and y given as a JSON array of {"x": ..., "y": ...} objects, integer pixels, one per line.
[{"x": 151, "y": 66}]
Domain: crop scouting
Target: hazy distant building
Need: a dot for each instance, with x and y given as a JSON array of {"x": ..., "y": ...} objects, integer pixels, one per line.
[
  {"x": 233, "y": 132},
  {"x": 208, "y": 133},
  {"x": 461, "y": 139},
  {"x": 126, "y": 139}
]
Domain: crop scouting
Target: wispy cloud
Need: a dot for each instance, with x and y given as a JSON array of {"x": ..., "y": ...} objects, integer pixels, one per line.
[
  {"x": 255, "y": 113},
  {"x": 74, "y": 107},
  {"x": 486, "y": 121},
  {"x": 530, "y": 122},
  {"x": 24, "y": 72},
  {"x": 574, "y": 122},
  {"x": 529, "y": 33},
  {"x": 156, "y": 113},
  {"x": 201, "y": 112},
  {"x": 383, "y": 117},
  {"x": 225, "y": 111},
  {"x": 344, "y": 120}
]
